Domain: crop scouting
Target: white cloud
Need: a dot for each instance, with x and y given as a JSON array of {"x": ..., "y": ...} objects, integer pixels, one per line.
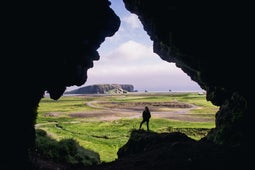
[
  {"x": 149, "y": 78},
  {"x": 127, "y": 57},
  {"x": 133, "y": 58},
  {"x": 129, "y": 53},
  {"x": 132, "y": 20},
  {"x": 135, "y": 63},
  {"x": 132, "y": 50}
]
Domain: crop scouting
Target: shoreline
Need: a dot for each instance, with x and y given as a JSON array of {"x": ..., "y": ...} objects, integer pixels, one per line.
[{"x": 199, "y": 92}]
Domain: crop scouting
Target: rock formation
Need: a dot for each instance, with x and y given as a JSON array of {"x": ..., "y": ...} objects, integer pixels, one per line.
[
  {"x": 50, "y": 45},
  {"x": 209, "y": 42},
  {"x": 102, "y": 89}
]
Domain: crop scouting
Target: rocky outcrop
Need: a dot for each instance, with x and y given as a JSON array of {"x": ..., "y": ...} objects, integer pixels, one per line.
[
  {"x": 48, "y": 46},
  {"x": 209, "y": 42},
  {"x": 103, "y": 88}
]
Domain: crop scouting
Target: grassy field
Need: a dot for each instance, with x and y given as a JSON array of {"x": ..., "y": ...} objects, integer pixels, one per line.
[{"x": 84, "y": 119}]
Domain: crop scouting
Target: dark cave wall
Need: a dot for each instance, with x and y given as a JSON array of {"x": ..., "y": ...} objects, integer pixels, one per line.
[
  {"x": 47, "y": 47},
  {"x": 209, "y": 41}
]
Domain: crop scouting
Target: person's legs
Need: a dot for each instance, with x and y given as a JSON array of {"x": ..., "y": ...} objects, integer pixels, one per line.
[
  {"x": 141, "y": 124},
  {"x": 147, "y": 122}
]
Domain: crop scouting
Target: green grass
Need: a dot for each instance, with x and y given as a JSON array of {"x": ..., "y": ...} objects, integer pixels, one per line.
[
  {"x": 65, "y": 104},
  {"x": 106, "y": 137},
  {"x": 65, "y": 150}
]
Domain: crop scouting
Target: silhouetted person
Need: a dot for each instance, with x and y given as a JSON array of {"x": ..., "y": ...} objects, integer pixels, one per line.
[{"x": 146, "y": 117}]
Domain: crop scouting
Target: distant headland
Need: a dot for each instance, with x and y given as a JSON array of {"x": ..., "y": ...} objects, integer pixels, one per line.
[{"x": 103, "y": 89}]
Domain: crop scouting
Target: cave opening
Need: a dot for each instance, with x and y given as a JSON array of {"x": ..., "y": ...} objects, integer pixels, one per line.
[
  {"x": 128, "y": 42},
  {"x": 55, "y": 46},
  {"x": 128, "y": 58}
]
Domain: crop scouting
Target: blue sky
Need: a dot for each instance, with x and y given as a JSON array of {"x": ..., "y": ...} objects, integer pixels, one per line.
[{"x": 127, "y": 58}]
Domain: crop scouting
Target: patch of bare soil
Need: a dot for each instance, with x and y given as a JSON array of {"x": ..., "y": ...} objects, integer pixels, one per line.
[
  {"x": 148, "y": 150},
  {"x": 53, "y": 114},
  {"x": 109, "y": 111},
  {"x": 133, "y": 105}
]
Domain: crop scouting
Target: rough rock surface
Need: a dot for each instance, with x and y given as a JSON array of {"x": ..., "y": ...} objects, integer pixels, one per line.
[
  {"x": 209, "y": 42},
  {"x": 47, "y": 46},
  {"x": 102, "y": 88},
  {"x": 50, "y": 45}
]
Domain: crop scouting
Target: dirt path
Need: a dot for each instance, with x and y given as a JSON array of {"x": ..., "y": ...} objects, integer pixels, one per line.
[{"x": 109, "y": 111}]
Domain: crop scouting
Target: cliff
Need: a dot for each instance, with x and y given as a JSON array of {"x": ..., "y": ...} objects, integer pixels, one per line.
[{"x": 103, "y": 88}]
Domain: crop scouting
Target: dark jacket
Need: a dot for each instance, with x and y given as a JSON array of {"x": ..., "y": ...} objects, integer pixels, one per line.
[{"x": 146, "y": 115}]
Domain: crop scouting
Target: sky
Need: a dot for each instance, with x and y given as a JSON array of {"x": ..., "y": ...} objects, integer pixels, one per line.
[{"x": 127, "y": 58}]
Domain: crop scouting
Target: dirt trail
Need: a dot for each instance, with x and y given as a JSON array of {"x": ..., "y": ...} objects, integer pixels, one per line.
[{"x": 108, "y": 111}]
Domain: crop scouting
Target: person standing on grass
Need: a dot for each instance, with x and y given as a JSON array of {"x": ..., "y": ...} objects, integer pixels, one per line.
[{"x": 146, "y": 117}]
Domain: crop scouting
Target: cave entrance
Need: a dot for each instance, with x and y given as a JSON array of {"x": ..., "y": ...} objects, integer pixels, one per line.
[
  {"x": 128, "y": 58},
  {"x": 102, "y": 124}
]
